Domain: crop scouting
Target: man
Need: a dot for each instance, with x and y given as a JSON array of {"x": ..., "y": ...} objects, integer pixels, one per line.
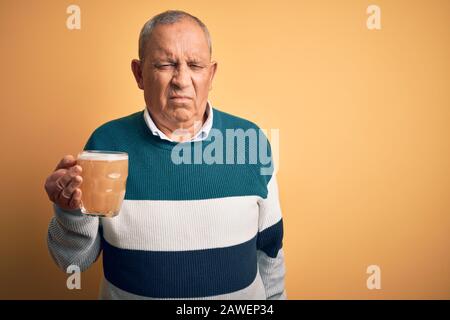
[{"x": 205, "y": 231}]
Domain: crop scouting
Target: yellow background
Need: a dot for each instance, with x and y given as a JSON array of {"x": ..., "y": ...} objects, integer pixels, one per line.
[{"x": 363, "y": 115}]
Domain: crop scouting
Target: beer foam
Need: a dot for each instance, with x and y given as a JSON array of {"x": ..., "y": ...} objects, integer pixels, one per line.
[{"x": 102, "y": 155}]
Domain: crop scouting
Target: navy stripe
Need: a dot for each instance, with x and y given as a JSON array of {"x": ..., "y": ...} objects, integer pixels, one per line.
[
  {"x": 181, "y": 274},
  {"x": 270, "y": 240}
]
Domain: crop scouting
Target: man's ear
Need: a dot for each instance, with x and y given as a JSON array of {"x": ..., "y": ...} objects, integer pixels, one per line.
[
  {"x": 213, "y": 73},
  {"x": 136, "y": 67}
]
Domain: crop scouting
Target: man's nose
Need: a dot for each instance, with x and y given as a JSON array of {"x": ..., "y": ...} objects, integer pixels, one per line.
[{"x": 181, "y": 77}]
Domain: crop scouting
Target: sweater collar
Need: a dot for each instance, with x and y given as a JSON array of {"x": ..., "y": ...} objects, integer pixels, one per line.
[{"x": 201, "y": 134}]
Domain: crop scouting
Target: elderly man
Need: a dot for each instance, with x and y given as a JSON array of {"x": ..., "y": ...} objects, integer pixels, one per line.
[{"x": 203, "y": 231}]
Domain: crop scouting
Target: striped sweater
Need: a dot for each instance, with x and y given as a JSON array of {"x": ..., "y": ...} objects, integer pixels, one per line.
[{"x": 185, "y": 231}]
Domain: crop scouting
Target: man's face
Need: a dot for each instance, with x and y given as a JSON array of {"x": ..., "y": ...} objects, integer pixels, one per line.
[{"x": 177, "y": 72}]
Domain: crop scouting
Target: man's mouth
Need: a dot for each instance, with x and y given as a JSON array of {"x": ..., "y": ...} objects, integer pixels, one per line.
[{"x": 180, "y": 98}]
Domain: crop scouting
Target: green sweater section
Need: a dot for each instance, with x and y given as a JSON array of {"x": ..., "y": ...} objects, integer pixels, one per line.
[{"x": 229, "y": 162}]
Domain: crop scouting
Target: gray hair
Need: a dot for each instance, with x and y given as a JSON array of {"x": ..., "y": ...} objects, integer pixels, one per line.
[{"x": 168, "y": 17}]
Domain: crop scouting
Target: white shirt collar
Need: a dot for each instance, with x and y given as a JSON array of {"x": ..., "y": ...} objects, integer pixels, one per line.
[{"x": 201, "y": 134}]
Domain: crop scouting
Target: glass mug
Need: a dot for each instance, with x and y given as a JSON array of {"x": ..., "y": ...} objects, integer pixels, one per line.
[{"x": 104, "y": 179}]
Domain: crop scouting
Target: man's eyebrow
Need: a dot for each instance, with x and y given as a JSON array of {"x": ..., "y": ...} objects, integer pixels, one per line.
[
  {"x": 198, "y": 60},
  {"x": 194, "y": 60},
  {"x": 164, "y": 59},
  {"x": 171, "y": 60},
  {"x": 161, "y": 54}
]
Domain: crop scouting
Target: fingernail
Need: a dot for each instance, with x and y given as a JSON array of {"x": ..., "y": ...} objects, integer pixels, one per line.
[{"x": 76, "y": 169}]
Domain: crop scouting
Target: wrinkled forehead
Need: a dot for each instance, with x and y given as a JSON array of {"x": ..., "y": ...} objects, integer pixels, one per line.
[{"x": 181, "y": 39}]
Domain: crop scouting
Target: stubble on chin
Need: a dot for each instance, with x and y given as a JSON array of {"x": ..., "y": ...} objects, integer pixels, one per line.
[{"x": 182, "y": 113}]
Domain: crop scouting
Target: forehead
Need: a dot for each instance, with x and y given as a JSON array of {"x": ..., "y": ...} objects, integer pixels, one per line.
[{"x": 183, "y": 37}]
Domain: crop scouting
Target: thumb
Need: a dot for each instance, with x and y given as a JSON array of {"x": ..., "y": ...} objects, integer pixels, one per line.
[{"x": 66, "y": 162}]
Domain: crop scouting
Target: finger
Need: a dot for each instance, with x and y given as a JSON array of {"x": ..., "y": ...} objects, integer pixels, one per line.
[
  {"x": 75, "y": 202},
  {"x": 70, "y": 188},
  {"x": 65, "y": 179},
  {"x": 64, "y": 198},
  {"x": 66, "y": 162},
  {"x": 53, "y": 184},
  {"x": 59, "y": 191},
  {"x": 51, "y": 180}
]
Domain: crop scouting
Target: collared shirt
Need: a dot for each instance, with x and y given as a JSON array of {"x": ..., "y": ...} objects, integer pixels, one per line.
[{"x": 200, "y": 135}]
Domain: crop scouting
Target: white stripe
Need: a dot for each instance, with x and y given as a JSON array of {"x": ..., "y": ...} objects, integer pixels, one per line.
[
  {"x": 183, "y": 225},
  {"x": 270, "y": 210}
]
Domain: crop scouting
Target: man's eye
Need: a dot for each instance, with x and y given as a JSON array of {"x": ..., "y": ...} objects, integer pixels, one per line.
[
  {"x": 195, "y": 66},
  {"x": 165, "y": 65}
]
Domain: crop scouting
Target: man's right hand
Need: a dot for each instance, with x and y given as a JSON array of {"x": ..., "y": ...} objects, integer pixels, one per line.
[{"x": 62, "y": 185}]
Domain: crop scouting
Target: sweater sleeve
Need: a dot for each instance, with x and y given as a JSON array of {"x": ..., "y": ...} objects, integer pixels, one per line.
[
  {"x": 269, "y": 244},
  {"x": 73, "y": 238}
]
